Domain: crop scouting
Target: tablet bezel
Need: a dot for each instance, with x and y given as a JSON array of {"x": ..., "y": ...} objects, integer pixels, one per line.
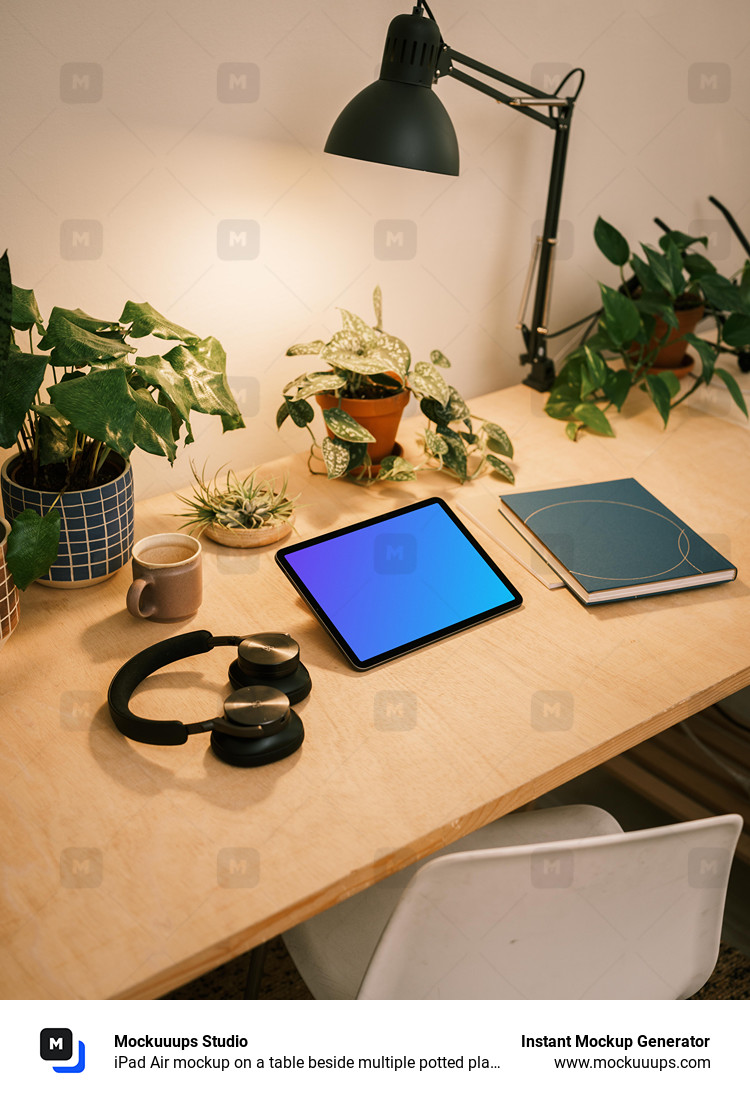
[{"x": 363, "y": 664}]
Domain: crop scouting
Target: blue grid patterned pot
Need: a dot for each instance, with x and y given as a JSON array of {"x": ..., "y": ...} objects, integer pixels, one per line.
[{"x": 96, "y": 529}]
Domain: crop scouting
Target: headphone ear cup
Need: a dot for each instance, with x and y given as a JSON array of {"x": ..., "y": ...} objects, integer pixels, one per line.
[
  {"x": 296, "y": 686},
  {"x": 244, "y": 752}
]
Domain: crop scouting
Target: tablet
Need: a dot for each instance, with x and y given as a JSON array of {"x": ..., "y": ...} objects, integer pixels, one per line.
[{"x": 397, "y": 582}]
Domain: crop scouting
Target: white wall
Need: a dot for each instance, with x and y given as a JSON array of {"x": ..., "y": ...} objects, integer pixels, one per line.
[{"x": 122, "y": 117}]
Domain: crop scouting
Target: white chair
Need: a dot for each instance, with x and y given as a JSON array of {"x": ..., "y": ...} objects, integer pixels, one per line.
[{"x": 549, "y": 904}]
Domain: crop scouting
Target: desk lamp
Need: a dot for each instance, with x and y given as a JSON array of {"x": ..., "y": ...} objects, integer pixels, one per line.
[{"x": 399, "y": 120}]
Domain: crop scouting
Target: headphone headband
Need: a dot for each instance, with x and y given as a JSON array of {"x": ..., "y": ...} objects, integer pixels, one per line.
[{"x": 151, "y": 731}]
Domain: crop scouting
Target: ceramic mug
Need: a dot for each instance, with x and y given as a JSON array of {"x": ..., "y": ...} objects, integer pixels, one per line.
[{"x": 167, "y": 578}]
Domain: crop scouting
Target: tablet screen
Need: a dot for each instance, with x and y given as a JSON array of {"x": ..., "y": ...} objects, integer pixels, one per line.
[{"x": 399, "y": 581}]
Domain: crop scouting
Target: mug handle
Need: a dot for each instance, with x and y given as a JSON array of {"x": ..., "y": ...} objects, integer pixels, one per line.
[{"x": 133, "y": 600}]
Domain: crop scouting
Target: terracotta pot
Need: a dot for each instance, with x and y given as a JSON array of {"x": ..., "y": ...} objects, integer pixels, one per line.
[
  {"x": 674, "y": 353},
  {"x": 96, "y": 525},
  {"x": 8, "y": 591},
  {"x": 381, "y": 416}
]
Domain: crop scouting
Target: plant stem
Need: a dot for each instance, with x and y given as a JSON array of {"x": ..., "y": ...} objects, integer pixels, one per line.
[
  {"x": 95, "y": 455},
  {"x": 687, "y": 393}
]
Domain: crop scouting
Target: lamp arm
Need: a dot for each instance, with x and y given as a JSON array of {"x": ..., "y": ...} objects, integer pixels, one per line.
[
  {"x": 542, "y": 372},
  {"x": 445, "y": 67}
]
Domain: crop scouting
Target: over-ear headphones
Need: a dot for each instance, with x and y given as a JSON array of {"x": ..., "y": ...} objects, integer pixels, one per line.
[{"x": 258, "y": 725}]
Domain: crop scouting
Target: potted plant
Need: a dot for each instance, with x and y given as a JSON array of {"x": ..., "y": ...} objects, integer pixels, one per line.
[
  {"x": 645, "y": 326},
  {"x": 68, "y": 488},
  {"x": 249, "y": 511},
  {"x": 366, "y": 382}
]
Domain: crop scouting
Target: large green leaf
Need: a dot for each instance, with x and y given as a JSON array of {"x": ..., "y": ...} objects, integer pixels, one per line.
[
  {"x": 646, "y": 277},
  {"x": 707, "y": 353},
  {"x": 152, "y": 429},
  {"x": 336, "y": 456},
  {"x": 593, "y": 417},
  {"x": 55, "y": 435},
  {"x": 301, "y": 412},
  {"x": 346, "y": 427},
  {"x": 366, "y": 335},
  {"x": 203, "y": 368},
  {"x": 736, "y": 330},
  {"x": 144, "y": 320},
  {"x": 426, "y": 381},
  {"x": 593, "y": 369},
  {"x": 617, "y": 386},
  {"x": 318, "y": 382},
  {"x": 314, "y": 347},
  {"x": 375, "y": 361},
  {"x": 434, "y": 444},
  {"x": 72, "y": 345},
  {"x": 6, "y": 309},
  {"x": 77, "y": 317},
  {"x": 673, "y": 258},
  {"x": 660, "y": 269},
  {"x": 661, "y": 395},
  {"x": 377, "y": 305},
  {"x": 502, "y": 468},
  {"x": 26, "y": 313},
  {"x": 439, "y": 360},
  {"x": 722, "y": 294},
  {"x": 611, "y": 242},
  {"x": 621, "y": 317},
  {"x": 357, "y": 455},
  {"x": 158, "y": 373},
  {"x": 434, "y": 411},
  {"x": 498, "y": 439},
  {"x": 33, "y": 544},
  {"x": 697, "y": 266},
  {"x": 731, "y": 383},
  {"x": 455, "y": 457},
  {"x": 394, "y": 353},
  {"x": 457, "y": 407},
  {"x": 177, "y": 420},
  {"x": 20, "y": 378},
  {"x": 101, "y": 405},
  {"x": 395, "y": 468}
]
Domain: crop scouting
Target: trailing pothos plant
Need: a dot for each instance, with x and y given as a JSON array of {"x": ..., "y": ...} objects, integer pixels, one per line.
[
  {"x": 102, "y": 401},
  {"x": 621, "y": 353},
  {"x": 364, "y": 361}
]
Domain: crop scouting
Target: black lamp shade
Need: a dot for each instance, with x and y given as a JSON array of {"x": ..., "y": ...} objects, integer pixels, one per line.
[{"x": 399, "y": 120}]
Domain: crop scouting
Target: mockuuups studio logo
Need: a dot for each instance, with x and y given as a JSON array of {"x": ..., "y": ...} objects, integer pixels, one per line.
[
  {"x": 81, "y": 239},
  {"x": 238, "y": 868},
  {"x": 238, "y": 239},
  {"x": 395, "y": 553},
  {"x": 56, "y": 1045},
  {"x": 552, "y": 711},
  {"x": 81, "y": 82},
  {"x": 547, "y": 76},
  {"x": 395, "y": 240},
  {"x": 237, "y": 82},
  {"x": 395, "y": 711},
  {"x": 551, "y": 870},
  {"x": 709, "y": 82}
]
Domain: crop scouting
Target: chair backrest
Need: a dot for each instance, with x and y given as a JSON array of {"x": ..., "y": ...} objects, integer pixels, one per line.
[{"x": 633, "y": 915}]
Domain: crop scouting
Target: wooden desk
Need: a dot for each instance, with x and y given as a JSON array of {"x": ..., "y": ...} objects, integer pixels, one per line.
[{"x": 129, "y": 869}]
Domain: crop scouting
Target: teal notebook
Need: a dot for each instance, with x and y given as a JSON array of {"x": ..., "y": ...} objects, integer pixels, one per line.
[{"x": 613, "y": 540}]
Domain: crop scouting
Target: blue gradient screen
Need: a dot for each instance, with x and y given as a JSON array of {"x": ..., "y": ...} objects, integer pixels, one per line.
[{"x": 403, "y": 578}]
